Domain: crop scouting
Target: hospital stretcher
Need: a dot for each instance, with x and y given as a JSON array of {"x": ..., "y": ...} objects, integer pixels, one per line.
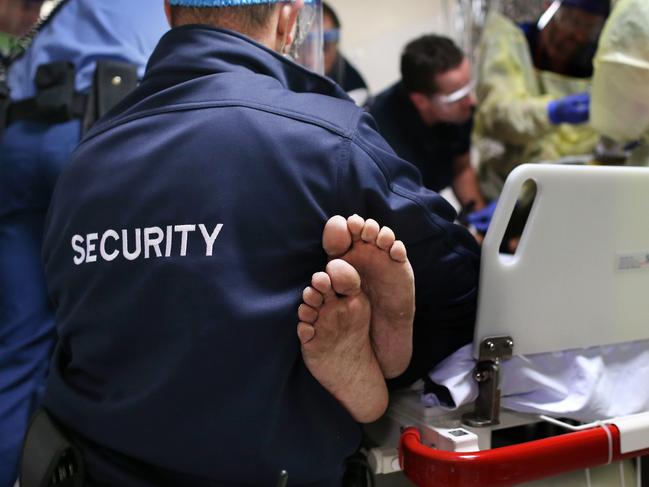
[{"x": 580, "y": 278}]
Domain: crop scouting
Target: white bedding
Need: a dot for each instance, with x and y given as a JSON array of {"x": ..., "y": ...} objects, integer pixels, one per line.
[{"x": 585, "y": 385}]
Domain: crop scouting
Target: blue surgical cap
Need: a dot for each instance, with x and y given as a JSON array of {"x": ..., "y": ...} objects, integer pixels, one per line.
[{"x": 599, "y": 7}]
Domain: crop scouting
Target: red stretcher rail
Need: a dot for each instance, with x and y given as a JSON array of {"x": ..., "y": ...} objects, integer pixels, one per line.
[{"x": 510, "y": 465}]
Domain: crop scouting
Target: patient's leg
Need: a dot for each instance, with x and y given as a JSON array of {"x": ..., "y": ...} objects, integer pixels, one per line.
[
  {"x": 334, "y": 332},
  {"x": 387, "y": 279}
]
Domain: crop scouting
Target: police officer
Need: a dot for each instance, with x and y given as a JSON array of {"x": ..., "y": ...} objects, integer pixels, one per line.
[
  {"x": 180, "y": 239},
  {"x": 40, "y": 131}
]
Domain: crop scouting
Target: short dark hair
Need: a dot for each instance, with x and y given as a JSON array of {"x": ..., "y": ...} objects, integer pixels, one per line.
[
  {"x": 327, "y": 10},
  {"x": 244, "y": 18},
  {"x": 425, "y": 58}
]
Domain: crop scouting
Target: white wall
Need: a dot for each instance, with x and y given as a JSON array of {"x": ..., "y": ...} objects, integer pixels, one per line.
[{"x": 375, "y": 32}]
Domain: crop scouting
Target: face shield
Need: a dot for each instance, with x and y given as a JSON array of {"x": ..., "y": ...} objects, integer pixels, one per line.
[
  {"x": 518, "y": 11},
  {"x": 307, "y": 47},
  {"x": 570, "y": 30}
]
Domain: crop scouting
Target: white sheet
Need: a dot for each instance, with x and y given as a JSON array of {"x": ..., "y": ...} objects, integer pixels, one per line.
[{"x": 585, "y": 385}]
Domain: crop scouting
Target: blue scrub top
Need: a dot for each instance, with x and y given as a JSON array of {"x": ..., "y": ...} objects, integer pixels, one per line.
[{"x": 88, "y": 30}]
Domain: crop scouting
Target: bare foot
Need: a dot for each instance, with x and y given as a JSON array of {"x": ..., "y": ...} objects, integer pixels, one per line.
[
  {"x": 387, "y": 279},
  {"x": 334, "y": 332}
]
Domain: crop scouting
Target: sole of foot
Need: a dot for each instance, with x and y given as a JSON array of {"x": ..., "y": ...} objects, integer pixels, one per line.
[
  {"x": 387, "y": 280},
  {"x": 334, "y": 335}
]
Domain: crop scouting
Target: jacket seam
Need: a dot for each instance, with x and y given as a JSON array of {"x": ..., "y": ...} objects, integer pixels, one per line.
[
  {"x": 389, "y": 183},
  {"x": 403, "y": 194},
  {"x": 313, "y": 120},
  {"x": 343, "y": 156}
]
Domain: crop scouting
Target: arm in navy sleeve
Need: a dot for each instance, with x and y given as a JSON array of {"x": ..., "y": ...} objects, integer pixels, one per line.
[
  {"x": 375, "y": 183},
  {"x": 465, "y": 179}
]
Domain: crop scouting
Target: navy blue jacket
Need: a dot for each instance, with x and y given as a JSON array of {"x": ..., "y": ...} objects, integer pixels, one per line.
[{"x": 178, "y": 244}]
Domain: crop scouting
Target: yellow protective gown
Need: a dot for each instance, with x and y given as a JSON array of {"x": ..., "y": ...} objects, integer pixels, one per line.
[
  {"x": 620, "y": 97},
  {"x": 512, "y": 125}
]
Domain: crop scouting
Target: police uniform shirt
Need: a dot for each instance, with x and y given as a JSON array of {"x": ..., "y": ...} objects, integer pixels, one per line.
[
  {"x": 433, "y": 149},
  {"x": 32, "y": 154},
  {"x": 85, "y": 31},
  {"x": 179, "y": 241}
]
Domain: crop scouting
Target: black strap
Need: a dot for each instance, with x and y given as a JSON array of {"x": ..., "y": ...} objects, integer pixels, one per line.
[
  {"x": 31, "y": 110},
  {"x": 56, "y": 100}
]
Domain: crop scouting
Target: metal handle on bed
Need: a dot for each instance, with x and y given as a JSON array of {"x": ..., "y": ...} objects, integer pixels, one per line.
[{"x": 493, "y": 350}]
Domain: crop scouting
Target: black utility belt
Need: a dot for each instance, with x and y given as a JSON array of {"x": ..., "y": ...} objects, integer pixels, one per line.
[
  {"x": 56, "y": 100},
  {"x": 33, "y": 111}
]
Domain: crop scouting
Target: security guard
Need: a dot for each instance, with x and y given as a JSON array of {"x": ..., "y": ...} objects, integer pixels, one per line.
[
  {"x": 47, "y": 93},
  {"x": 533, "y": 83},
  {"x": 178, "y": 243}
]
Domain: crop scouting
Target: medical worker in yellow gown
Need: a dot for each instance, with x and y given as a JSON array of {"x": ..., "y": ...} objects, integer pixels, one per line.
[
  {"x": 533, "y": 88},
  {"x": 620, "y": 96}
]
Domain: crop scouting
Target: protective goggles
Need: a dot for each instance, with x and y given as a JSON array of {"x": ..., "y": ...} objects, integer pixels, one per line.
[
  {"x": 330, "y": 36},
  {"x": 456, "y": 96}
]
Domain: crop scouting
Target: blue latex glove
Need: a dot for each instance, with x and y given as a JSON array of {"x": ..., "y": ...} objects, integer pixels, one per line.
[
  {"x": 482, "y": 218},
  {"x": 572, "y": 109}
]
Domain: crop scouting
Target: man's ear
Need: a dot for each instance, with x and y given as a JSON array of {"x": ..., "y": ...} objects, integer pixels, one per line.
[
  {"x": 168, "y": 12},
  {"x": 286, "y": 25},
  {"x": 419, "y": 100}
]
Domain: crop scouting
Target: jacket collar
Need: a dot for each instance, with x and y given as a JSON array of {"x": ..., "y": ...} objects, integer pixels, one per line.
[{"x": 192, "y": 51}]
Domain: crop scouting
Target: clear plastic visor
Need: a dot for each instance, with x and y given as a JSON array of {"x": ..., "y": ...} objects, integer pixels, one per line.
[
  {"x": 584, "y": 27},
  {"x": 307, "y": 48}
]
